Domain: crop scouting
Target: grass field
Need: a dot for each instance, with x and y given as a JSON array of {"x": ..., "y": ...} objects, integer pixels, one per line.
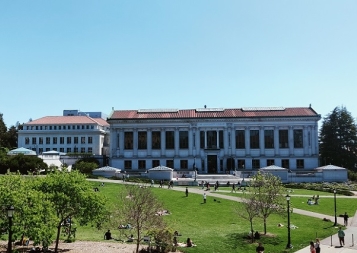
[{"x": 215, "y": 226}]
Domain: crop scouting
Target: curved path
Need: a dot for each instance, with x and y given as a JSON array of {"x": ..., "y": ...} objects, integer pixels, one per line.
[{"x": 328, "y": 245}]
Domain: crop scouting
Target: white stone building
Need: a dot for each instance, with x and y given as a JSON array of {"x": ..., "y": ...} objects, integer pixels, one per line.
[
  {"x": 67, "y": 134},
  {"x": 214, "y": 140}
]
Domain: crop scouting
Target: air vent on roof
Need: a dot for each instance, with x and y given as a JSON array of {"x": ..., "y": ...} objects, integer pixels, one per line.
[
  {"x": 157, "y": 110},
  {"x": 253, "y": 109},
  {"x": 209, "y": 109}
]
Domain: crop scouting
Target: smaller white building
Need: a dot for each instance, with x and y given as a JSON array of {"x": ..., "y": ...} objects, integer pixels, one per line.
[
  {"x": 161, "y": 173},
  {"x": 332, "y": 173},
  {"x": 107, "y": 172}
]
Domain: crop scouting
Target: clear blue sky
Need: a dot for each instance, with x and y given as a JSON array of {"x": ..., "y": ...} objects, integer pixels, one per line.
[{"x": 95, "y": 55}]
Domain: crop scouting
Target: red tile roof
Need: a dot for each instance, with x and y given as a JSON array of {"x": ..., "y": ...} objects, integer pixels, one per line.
[
  {"x": 214, "y": 113},
  {"x": 61, "y": 120}
]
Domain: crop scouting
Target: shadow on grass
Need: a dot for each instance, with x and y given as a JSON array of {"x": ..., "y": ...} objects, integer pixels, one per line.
[{"x": 240, "y": 240}]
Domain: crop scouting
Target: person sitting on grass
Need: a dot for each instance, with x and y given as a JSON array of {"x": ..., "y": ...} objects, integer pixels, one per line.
[
  {"x": 130, "y": 238},
  {"x": 189, "y": 243},
  {"x": 108, "y": 235}
]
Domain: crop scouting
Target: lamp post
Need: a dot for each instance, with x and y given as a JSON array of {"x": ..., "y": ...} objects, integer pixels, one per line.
[
  {"x": 288, "y": 246},
  {"x": 334, "y": 196},
  {"x": 10, "y": 213}
]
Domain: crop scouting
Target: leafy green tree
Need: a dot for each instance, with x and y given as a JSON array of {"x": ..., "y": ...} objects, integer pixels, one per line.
[
  {"x": 11, "y": 137},
  {"x": 72, "y": 196},
  {"x": 3, "y": 130},
  {"x": 338, "y": 139},
  {"x": 85, "y": 167},
  {"x": 34, "y": 215},
  {"x": 23, "y": 164},
  {"x": 269, "y": 191},
  {"x": 139, "y": 207}
]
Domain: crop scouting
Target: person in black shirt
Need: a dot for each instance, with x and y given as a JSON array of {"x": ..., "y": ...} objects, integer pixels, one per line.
[
  {"x": 108, "y": 235},
  {"x": 260, "y": 248},
  {"x": 345, "y": 219}
]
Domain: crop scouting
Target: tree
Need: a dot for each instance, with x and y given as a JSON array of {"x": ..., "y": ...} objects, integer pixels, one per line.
[
  {"x": 23, "y": 164},
  {"x": 338, "y": 139},
  {"x": 269, "y": 191},
  {"x": 138, "y": 207},
  {"x": 34, "y": 215},
  {"x": 249, "y": 209},
  {"x": 86, "y": 167},
  {"x": 72, "y": 197},
  {"x": 3, "y": 130}
]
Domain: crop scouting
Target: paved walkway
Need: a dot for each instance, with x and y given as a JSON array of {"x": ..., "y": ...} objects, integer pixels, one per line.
[{"x": 328, "y": 245}]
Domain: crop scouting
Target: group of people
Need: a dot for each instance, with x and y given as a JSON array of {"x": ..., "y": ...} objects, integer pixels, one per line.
[
  {"x": 315, "y": 247},
  {"x": 314, "y": 200}
]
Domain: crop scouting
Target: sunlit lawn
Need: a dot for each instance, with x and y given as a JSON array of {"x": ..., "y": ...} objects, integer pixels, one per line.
[{"x": 215, "y": 226}]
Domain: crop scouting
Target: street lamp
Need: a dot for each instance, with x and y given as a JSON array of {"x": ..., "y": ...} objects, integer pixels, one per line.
[
  {"x": 288, "y": 246},
  {"x": 10, "y": 213},
  {"x": 334, "y": 196}
]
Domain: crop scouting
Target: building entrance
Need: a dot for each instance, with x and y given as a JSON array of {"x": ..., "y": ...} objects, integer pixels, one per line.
[{"x": 212, "y": 164}]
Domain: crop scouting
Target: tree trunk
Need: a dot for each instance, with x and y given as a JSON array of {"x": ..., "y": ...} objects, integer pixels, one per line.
[
  {"x": 265, "y": 225},
  {"x": 251, "y": 231},
  {"x": 57, "y": 237}
]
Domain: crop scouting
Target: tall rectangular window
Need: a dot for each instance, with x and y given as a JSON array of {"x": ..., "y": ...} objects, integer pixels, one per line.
[
  {"x": 40, "y": 150},
  {"x": 285, "y": 163},
  {"x": 33, "y": 140},
  {"x": 170, "y": 139},
  {"x": 142, "y": 140},
  {"x": 69, "y": 140},
  {"x": 61, "y": 140},
  {"x": 221, "y": 139},
  {"x": 298, "y": 138},
  {"x": 183, "y": 164},
  {"x": 128, "y": 141},
  {"x": 269, "y": 139},
  {"x": 27, "y": 140},
  {"x": 256, "y": 164},
  {"x": 183, "y": 139},
  {"x": 270, "y": 162},
  {"x": 62, "y": 150},
  {"x": 83, "y": 150},
  {"x": 142, "y": 164},
  {"x": 212, "y": 139},
  {"x": 90, "y": 150},
  {"x": 241, "y": 164},
  {"x": 40, "y": 140},
  {"x": 155, "y": 163},
  {"x": 75, "y": 140},
  {"x": 254, "y": 139},
  {"x": 170, "y": 163},
  {"x": 69, "y": 150},
  {"x": 75, "y": 150},
  {"x": 127, "y": 164},
  {"x": 300, "y": 163},
  {"x": 202, "y": 139},
  {"x": 48, "y": 140},
  {"x": 90, "y": 140},
  {"x": 283, "y": 139},
  {"x": 156, "y": 140},
  {"x": 240, "y": 139},
  {"x": 83, "y": 140},
  {"x": 54, "y": 140}
]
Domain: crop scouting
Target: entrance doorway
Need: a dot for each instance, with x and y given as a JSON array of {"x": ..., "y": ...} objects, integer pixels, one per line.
[{"x": 212, "y": 164}]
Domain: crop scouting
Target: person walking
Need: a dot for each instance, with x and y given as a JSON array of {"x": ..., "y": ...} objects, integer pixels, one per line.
[
  {"x": 341, "y": 237},
  {"x": 204, "y": 198},
  {"x": 312, "y": 247},
  {"x": 345, "y": 219},
  {"x": 317, "y": 245},
  {"x": 233, "y": 188},
  {"x": 186, "y": 191}
]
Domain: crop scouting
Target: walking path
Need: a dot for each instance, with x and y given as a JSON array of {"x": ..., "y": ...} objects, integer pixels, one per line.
[{"x": 328, "y": 245}]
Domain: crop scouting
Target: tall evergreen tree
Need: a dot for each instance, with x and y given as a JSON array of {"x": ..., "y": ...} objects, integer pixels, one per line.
[
  {"x": 3, "y": 130},
  {"x": 338, "y": 139}
]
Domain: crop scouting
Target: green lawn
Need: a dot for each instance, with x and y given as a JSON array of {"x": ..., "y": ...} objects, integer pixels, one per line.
[{"x": 215, "y": 227}]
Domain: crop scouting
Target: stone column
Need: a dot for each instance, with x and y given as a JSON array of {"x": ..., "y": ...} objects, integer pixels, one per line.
[
  {"x": 305, "y": 140},
  {"x": 190, "y": 142},
  {"x": 261, "y": 141},
  {"x": 121, "y": 142},
  {"x": 226, "y": 140},
  {"x": 247, "y": 141},
  {"x": 291, "y": 140},
  {"x": 276, "y": 141}
]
